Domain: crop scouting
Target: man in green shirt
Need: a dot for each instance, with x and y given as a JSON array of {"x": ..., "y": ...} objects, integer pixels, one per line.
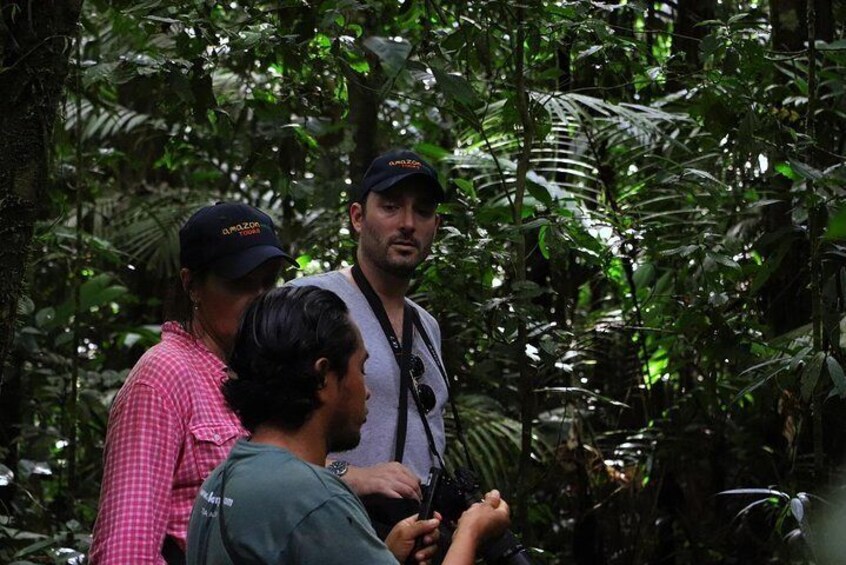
[{"x": 299, "y": 390}]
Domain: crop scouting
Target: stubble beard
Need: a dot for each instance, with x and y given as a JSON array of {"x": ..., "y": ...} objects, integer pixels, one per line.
[
  {"x": 346, "y": 440},
  {"x": 377, "y": 251}
]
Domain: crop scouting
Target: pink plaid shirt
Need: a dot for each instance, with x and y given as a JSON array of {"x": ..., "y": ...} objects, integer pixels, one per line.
[{"x": 169, "y": 427}]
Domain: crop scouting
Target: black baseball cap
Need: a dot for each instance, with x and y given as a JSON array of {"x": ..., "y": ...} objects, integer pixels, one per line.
[
  {"x": 229, "y": 238},
  {"x": 395, "y": 166}
]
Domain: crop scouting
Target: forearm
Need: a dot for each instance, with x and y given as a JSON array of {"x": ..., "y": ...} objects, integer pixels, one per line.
[
  {"x": 462, "y": 551},
  {"x": 141, "y": 451},
  {"x": 392, "y": 480}
]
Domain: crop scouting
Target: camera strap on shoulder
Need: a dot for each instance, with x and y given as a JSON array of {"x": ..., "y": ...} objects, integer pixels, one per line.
[
  {"x": 402, "y": 352},
  {"x": 459, "y": 429}
]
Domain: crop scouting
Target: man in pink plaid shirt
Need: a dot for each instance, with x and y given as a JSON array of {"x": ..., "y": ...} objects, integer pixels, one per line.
[{"x": 169, "y": 426}]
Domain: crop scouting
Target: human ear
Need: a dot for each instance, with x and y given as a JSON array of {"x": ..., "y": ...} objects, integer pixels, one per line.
[
  {"x": 187, "y": 280},
  {"x": 321, "y": 367},
  {"x": 356, "y": 215}
]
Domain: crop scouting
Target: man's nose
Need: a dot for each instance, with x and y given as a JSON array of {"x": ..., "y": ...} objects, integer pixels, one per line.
[{"x": 408, "y": 219}]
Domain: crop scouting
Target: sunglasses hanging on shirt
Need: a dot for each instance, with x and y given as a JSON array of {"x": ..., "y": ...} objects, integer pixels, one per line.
[
  {"x": 411, "y": 367},
  {"x": 424, "y": 391}
]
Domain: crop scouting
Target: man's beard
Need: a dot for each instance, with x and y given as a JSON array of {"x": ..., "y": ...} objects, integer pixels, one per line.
[
  {"x": 377, "y": 251},
  {"x": 345, "y": 442}
]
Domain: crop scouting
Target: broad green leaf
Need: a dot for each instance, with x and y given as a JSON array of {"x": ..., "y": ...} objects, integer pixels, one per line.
[
  {"x": 839, "y": 45},
  {"x": 811, "y": 375},
  {"x": 543, "y": 244},
  {"x": 835, "y": 371},
  {"x": 786, "y": 170},
  {"x": 805, "y": 171},
  {"x": 465, "y": 186},
  {"x": 724, "y": 260},
  {"x": 837, "y": 226},
  {"x": 392, "y": 54},
  {"x": 456, "y": 88},
  {"x": 644, "y": 275},
  {"x": 797, "y": 509},
  {"x": 45, "y": 317}
]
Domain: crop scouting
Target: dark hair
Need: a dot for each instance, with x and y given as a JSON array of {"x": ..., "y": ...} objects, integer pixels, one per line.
[
  {"x": 178, "y": 306},
  {"x": 282, "y": 334}
]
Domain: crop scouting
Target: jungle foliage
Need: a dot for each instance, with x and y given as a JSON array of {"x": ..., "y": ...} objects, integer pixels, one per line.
[{"x": 641, "y": 278}]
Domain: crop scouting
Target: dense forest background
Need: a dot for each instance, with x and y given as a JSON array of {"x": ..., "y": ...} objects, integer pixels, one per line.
[{"x": 640, "y": 278}]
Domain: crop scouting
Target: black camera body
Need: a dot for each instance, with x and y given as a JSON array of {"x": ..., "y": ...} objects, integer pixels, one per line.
[{"x": 451, "y": 496}]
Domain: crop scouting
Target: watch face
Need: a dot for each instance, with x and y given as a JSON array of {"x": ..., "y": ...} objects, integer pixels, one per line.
[{"x": 338, "y": 468}]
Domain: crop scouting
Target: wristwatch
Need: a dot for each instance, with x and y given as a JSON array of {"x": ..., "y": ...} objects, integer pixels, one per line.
[{"x": 338, "y": 467}]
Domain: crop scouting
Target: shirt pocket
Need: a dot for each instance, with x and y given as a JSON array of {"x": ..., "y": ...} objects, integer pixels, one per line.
[{"x": 210, "y": 445}]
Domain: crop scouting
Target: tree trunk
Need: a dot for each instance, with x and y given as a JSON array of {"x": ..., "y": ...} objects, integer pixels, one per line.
[
  {"x": 364, "y": 90},
  {"x": 687, "y": 34},
  {"x": 34, "y": 47},
  {"x": 789, "y": 23}
]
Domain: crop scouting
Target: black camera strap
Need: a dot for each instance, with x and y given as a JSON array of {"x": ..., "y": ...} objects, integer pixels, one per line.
[
  {"x": 223, "y": 530},
  {"x": 402, "y": 352},
  {"x": 459, "y": 429}
]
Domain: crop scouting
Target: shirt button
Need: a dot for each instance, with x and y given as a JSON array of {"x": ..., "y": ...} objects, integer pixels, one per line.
[{"x": 216, "y": 437}]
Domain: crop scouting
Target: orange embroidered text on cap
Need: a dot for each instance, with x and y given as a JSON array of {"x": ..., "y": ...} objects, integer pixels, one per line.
[
  {"x": 244, "y": 229},
  {"x": 406, "y": 164}
]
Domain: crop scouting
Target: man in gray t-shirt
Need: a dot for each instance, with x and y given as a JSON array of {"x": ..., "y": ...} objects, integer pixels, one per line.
[{"x": 394, "y": 216}]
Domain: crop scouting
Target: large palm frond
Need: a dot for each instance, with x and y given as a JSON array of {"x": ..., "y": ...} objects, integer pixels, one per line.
[
  {"x": 572, "y": 167},
  {"x": 493, "y": 440}
]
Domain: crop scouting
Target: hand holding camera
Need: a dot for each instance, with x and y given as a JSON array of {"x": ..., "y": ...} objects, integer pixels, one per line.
[
  {"x": 485, "y": 520},
  {"x": 481, "y": 525}
]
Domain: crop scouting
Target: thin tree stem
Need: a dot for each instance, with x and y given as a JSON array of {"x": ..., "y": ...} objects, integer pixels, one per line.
[
  {"x": 815, "y": 217},
  {"x": 77, "y": 275},
  {"x": 527, "y": 376}
]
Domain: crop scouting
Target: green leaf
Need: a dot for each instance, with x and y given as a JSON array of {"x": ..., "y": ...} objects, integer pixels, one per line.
[
  {"x": 805, "y": 171},
  {"x": 45, "y": 316},
  {"x": 582, "y": 391},
  {"x": 797, "y": 509},
  {"x": 770, "y": 266},
  {"x": 303, "y": 260},
  {"x": 456, "y": 88},
  {"x": 724, "y": 260},
  {"x": 708, "y": 46},
  {"x": 392, "y": 54},
  {"x": 539, "y": 192},
  {"x": 466, "y": 187},
  {"x": 785, "y": 170},
  {"x": 96, "y": 292},
  {"x": 811, "y": 375},
  {"x": 644, "y": 275},
  {"x": 684, "y": 250},
  {"x": 835, "y": 371},
  {"x": 527, "y": 289},
  {"x": 543, "y": 244},
  {"x": 839, "y": 45},
  {"x": 837, "y": 226}
]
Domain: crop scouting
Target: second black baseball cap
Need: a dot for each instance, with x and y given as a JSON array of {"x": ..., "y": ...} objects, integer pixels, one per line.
[
  {"x": 229, "y": 238},
  {"x": 395, "y": 166}
]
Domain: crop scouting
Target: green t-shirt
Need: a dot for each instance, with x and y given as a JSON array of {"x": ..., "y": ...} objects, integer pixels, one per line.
[{"x": 279, "y": 509}]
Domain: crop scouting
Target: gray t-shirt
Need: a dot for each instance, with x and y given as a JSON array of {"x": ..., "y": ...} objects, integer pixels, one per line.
[
  {"x": 280, "y": 510},
  {"x": 378, "y": 435}
]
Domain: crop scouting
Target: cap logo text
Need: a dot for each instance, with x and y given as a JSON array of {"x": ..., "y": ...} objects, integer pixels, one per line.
[
  {"x": 406, "y": 164},
  {"x": 244, "y": 229}
]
